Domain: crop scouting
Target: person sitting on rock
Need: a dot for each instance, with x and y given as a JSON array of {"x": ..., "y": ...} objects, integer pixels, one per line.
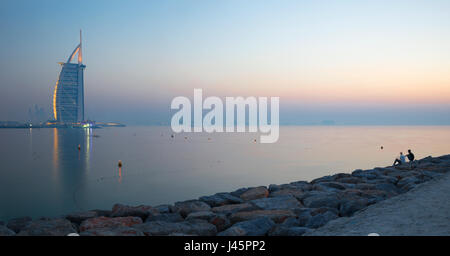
[
  {"x": 410, "y": 156},
  {"x": 400, "y": 160}
]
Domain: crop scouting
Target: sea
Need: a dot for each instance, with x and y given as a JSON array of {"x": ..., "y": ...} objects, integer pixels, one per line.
[{"x": 50, "y": 172}]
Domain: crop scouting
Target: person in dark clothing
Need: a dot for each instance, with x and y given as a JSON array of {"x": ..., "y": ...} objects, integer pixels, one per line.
[{"x": 410, "y": 157}]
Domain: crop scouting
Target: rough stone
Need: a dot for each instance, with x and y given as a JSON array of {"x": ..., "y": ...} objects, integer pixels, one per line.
[
  {"x": 161, "y": 228},
  {"x": 202, "y": 215},
  {"x": 113, "y": 231},
  {"x": 220, "y": 199},
  {"x": 220, "y": 221},
  {"x": 107, "y": 222},
  {"x": 287, "y": 192},
  {"x": 163, "y": 208},
  {"x": 348, "y": 207},
  {"x": 79, "y": 217},
  {"x": 48, "y": 227},
  {"x": 320, "y": 219},
  {"x": 280, "y": 202},
  {"x": 141, "y": 211},
  {"x": 186, "y": 207},
  {"x": 254, "y": 227},
  {"x": 232, "y": 208},
  {"x": 255, "y": 193},
  {"x": 277, "y": 216},
  {"x": 288, "y": 231},
  {"x": 167, "y": 217},
  {"x": 18, "y": 224},
  {"x": 321, "y": 200},
  {"x": 4, "y": 231}
]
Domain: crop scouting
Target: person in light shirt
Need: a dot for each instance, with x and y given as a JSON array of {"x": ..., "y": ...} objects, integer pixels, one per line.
[{"x": 400, "y": 160}]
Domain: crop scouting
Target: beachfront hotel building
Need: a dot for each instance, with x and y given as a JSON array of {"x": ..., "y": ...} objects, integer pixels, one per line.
[{"x": 68, "y": 96}]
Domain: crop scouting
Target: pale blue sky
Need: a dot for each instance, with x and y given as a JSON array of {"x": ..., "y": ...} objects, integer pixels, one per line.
[{"x": 355, "y": 62}]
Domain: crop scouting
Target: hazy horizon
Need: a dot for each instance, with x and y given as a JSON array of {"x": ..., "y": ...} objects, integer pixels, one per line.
[{"x": 348, "y": 62}]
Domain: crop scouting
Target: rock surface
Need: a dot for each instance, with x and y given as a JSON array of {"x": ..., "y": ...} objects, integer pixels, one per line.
[
  {"x": 255, "y": 193},
  {"x": 161, "y": 228},
  {"x": 422, "y": 211},
  {"x": 186, "y": 207},
  {"x": 255, "y": 227},
  {"x": 18, "y": 224},
  {"x": 108, "y": 222},
  {"x": 114, "y": 231},
  {"x": 4, "y": 231},
  {"x": 48, "y": 227}
]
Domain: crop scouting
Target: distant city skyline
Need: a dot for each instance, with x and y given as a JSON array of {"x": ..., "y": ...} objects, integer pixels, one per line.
[{"x": 330, "y": 62}]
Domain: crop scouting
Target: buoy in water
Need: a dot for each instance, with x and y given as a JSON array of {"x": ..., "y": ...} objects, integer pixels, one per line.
[
  {"x": 79, "y": 147},
  {"x": 120, "y": 163}
]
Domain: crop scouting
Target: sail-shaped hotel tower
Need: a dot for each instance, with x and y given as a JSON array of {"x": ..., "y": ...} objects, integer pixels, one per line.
[{"x": 68, "y": 96}]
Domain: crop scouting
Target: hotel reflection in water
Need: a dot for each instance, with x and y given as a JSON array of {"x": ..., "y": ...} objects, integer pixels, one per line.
[{"x": 72, "y": 149}]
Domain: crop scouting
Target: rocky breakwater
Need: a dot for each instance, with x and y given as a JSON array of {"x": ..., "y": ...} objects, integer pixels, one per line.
[{"x": 277, "y": 210}]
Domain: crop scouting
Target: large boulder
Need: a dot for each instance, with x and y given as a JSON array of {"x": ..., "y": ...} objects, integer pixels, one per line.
[
  {"x": 112, "y": 231},
  {"x": 288, "y": 231},
  {"x": 321, "y": 200},
  {"x": 277, "y": 216},
  {"x": 280, "y": 202},
  {"x": 330, "y": 186},
  {"x": 239, "y": 192},
  {"x": 107, "y": 222},
  {"x": 255, "y": 193},
  {"x": 319, "y": 220},
  {"x": 4, "y": 231},
  {"x": 48, "y": 227},
  {"x": 104, "y": 213},
  {"x": 296, "y": 185},
  {"x": 220, "y": 199},
  {"x": 233, "y": 208},
  {"x": 202, "y": 215},
  {"x": 255, "y": 227},
  {"x": 18, "y": 224},
  {"x": 221, "y": 222},
  {"x": 367, "y": 174},
  {"x": 303, "y": 216},
  {"x": 163, "y": 208},
  {"x": 162, "y": 228},
  {"x": 287, "y": 192},
  {"x": 349, "y": 180},
  {"x": 408, "y": 183},
  {"x": 328, "y": 178},
  {"x": 186, "y": 207},
  {"x": 79, "y": 217},
  {"x": 141, "y": 211},
  {"x": 388, "y": 187},
  {"x": 167, "y": 217},
  {"x": 349, "y": 206}
]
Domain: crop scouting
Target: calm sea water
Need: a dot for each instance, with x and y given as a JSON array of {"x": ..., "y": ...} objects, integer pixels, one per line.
[{"x": 43, "y": 173}]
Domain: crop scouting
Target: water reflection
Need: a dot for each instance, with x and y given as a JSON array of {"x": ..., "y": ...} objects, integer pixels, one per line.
[{"x": 71, "y": 162}]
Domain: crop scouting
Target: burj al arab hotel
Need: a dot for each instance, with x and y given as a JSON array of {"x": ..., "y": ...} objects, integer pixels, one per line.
[{"x": 68, "y": 96}]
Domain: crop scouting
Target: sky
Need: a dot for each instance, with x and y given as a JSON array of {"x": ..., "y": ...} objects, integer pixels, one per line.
[{"x": 342, "y": 62}]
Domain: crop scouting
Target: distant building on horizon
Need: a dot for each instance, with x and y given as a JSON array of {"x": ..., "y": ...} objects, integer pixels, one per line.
[{"x": 68, "y": 96}]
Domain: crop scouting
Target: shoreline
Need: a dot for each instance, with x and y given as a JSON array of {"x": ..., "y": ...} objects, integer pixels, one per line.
[{"x": 292, "y": 209}]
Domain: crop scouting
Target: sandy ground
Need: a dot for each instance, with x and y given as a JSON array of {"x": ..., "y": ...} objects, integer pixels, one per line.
[{"x": 424, "y": 210}]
